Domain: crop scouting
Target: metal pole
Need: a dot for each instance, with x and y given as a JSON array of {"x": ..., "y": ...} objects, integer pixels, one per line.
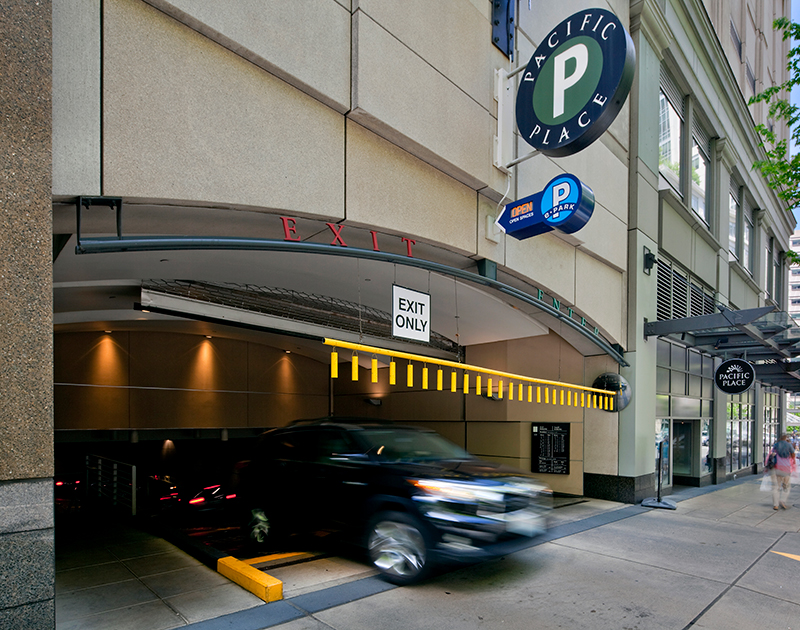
[{"x": 658, "y": 502}]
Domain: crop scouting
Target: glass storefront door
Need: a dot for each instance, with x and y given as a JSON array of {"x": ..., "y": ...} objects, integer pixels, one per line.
[{"x": 682, "y": 446}]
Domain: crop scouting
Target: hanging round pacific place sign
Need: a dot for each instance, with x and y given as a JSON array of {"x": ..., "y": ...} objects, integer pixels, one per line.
[
  {"x": 576, "y": 83},
  {"x": 735, "y": 376}
]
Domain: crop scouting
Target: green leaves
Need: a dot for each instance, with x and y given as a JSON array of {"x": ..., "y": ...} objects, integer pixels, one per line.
[{"x": 779, "y": 168}]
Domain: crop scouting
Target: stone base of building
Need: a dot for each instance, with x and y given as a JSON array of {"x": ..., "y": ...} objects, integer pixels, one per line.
[
  {"x": 27, "y": 528},
  {"x": 622, "y": 489},
  {"x": 693, "y": 482}
]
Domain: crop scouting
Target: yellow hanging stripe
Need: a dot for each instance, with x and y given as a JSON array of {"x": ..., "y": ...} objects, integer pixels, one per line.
[
  {"x": 538, "y": 394},
  {"x": 511, "y": 391},
  {"x": 466, "y": 383},
  {"x": 374, "y": 370},
  {"x": 519, "y": 391},
  {"x": 453, "y": 379},
  {"x": 594, "y": 401},
  {"x": 425, "y": 377},
  {"x": 569, "y": 399},
  {"x": 530, "y": 393},
  {"x": 392, "y": 373},
  {"x": 478, "y": 384},
  {"x": 410, "y": 374},
  {"x": 354, "y": 366},
  {"x": 489, "y": 387},
  {"x": 547, "y": 395},
  {"x": 583, "y": 401},
  {"x": 334, "y": 364},
  {"x": 611, "y": 403},
  {"x": 439, "y": 380},
  {"x": 554, "y": 395},
  {"x": 500, "y": 390}
]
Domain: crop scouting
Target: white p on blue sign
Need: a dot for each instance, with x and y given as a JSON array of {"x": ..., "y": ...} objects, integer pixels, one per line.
[{"x": 411, "y": 314}]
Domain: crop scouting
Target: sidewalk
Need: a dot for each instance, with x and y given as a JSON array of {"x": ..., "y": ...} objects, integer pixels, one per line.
[{"x": 127, "y": 579}]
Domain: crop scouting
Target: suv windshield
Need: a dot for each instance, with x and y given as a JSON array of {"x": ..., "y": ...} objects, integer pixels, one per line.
[{"x": 410, "y": 446}]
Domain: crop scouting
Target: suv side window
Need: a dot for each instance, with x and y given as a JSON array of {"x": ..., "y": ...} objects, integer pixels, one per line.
[{"x": 310, "y": 446}]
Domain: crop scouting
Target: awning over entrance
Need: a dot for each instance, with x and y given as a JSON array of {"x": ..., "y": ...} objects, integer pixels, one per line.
[{"x": 768, "y": 338}]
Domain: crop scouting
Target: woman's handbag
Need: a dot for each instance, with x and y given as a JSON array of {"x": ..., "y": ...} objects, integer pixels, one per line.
[{"x": 772, "y": 460}]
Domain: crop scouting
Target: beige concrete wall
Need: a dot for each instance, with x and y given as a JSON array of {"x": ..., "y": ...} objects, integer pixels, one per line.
[
  {"x": 211, "y": 108},
  {"x": 390, "y": 188},
  {"x": 416, "y": 83},
  {"x": 500, "y": 430},
  {"x": 307, "y": 46},
  {"x": 76, "y": 98},
  {"x": 185, "y": 118}
]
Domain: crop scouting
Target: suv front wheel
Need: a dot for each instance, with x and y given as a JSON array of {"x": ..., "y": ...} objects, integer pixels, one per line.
[{"x": 398, "y": 546}]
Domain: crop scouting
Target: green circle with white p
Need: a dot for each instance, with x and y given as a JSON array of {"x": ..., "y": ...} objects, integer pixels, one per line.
[
  {"x": 567, "y": 81},
  {"x": 575, "y": 83}
]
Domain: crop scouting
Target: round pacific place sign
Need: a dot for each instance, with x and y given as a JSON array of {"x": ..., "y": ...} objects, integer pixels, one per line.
[
  {"x": 734, "y": 376},
  {"x": 576, "y": 83}
]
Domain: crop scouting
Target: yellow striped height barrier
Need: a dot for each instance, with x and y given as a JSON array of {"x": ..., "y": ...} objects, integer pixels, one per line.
[{"x": 527, "y": 387}]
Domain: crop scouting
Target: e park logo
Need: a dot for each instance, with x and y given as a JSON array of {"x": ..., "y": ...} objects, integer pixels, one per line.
[
  {"x": 576, "y": 83},
  {"x": 565, "y": 204}
]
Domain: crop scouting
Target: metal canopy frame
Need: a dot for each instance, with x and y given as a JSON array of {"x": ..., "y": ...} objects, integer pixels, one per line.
[{"x": 764, "y": 336}]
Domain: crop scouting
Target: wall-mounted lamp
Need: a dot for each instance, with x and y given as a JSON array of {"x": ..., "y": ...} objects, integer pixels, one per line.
[{"x": 649, "y": 260}]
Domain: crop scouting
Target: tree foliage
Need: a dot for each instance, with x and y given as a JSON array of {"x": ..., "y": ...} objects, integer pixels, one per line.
[{"x": 780, "y": 168}]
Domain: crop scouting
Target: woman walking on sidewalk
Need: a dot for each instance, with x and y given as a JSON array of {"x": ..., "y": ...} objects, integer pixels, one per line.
[{"x": 781, "y": 465}]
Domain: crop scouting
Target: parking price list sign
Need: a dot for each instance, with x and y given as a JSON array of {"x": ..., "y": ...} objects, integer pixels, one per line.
[{"x": 550, "y": 448}]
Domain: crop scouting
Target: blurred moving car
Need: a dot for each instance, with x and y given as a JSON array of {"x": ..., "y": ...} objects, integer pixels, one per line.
[{"x": 408, "y": 496}]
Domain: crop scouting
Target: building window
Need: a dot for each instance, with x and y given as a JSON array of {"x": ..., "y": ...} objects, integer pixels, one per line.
[
  {"x": 737, "y": 42},
  {"x": 747, "y": 240},
  {"x": 796, "y": 272},
  {"x": 740, "y": 222},
  {"x": 669, "y": 142},
  {"x": 740, "y": 431},
  {"x": 795, "y": 242},
  {"x": 684, "y": 407},
  {"x": 772, "y": 419},
  {"x": 700, "y": 172},
  {"x": 751, "y": 78},
  {"x": 733, "y": 221},
  {"x": 795, "y": 287}
]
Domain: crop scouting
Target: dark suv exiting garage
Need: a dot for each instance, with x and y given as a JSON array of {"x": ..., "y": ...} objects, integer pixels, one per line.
[{"x": 408, "y": 496}]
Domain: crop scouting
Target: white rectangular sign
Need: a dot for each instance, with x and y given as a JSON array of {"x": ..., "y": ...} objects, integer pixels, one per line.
[{"x": 411, "y": 314}]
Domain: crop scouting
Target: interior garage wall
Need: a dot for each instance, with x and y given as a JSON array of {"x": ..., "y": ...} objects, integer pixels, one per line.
[
  {"x": 497, "y": 430},
  {"x": 143, "y": 380}
]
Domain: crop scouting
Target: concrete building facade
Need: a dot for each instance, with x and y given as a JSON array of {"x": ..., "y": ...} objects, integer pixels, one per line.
[{"x": 229, "y": 187}]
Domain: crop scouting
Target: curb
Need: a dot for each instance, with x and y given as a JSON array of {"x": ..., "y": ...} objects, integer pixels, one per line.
[{"x": 262, "y": 585}]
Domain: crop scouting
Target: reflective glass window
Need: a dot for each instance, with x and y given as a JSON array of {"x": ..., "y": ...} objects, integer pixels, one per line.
[
  {"x": 700, "y": 164},
  {"x": 669, "y": 142}
]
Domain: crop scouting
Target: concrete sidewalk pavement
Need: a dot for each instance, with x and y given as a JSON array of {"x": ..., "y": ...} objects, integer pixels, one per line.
[{"x": 723, "y": 559}]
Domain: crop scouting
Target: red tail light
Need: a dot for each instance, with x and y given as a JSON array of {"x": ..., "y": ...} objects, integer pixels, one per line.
[{"x": 197, "y": 500}]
